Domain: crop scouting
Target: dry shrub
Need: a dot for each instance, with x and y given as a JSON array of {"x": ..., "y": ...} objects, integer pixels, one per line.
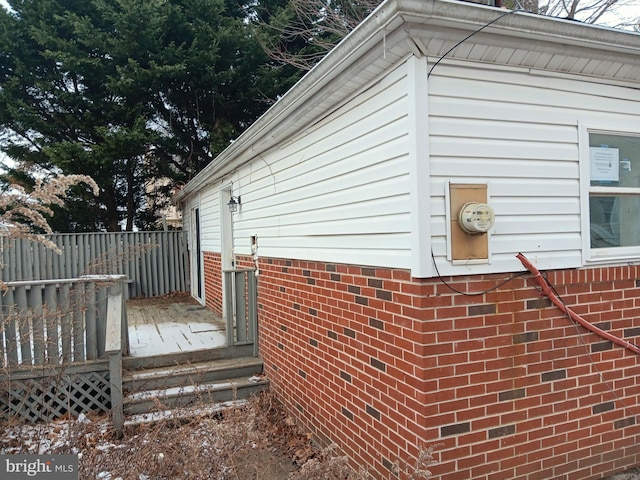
[
  {"x": 23, "y": 209},
  {"x": 421, "y": 468},
  {"x": 163, "y": 450},
  {"x": 327, "y": 464},
  {"x": 236, "y": 444},
  {"x": 253, "y": 441}
]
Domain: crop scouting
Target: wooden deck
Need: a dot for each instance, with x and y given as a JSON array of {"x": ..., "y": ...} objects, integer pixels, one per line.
[{"x": 172, "y": 325}]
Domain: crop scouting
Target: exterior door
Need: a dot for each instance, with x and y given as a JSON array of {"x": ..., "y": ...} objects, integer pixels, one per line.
[{"x": 197, "y": 255}]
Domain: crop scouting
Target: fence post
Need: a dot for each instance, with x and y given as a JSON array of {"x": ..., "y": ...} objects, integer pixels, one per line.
[
  {"x": 10, "y": 326},
  {"x": 241, "y": 306},
  {"x": 91, "y": 327},
  {"x": 252, "y": 298},
  {"x": 113, "y": 347},
  {"x": 229, "y": 302},
  {"x": 124, "y": 285},
  {"x": 21, "y": 309}
]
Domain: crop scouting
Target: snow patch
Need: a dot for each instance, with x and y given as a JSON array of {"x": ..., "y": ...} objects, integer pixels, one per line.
[
  {"x": 168, "y": 392},
  {"x": 181, "y": 413},
  {"x": 172, "y": 337}
]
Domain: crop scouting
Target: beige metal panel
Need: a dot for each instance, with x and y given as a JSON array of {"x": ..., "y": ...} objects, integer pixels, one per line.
[{"x": 463, "y": 245}]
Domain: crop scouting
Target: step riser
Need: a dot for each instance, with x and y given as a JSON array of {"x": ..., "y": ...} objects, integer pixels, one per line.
[
  {"x": 188, "y": 378},
  {"x": 170, "y": 359},
  {"x": 188, "y": 399},
  {"x": 190, "y": 382}
]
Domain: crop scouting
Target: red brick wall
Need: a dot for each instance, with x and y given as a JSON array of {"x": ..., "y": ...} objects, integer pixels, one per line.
[
  {"x": 213, "y": 281},
  {"x": 382, "y": 364}
]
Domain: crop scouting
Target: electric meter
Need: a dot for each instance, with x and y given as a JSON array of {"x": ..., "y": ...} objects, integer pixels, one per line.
[{"x": 476, "y": 218}]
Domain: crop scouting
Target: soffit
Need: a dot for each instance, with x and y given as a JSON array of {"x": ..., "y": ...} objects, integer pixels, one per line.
[
  {"x": 434, "y": 38},
  {"x": 539, "y": 53}
]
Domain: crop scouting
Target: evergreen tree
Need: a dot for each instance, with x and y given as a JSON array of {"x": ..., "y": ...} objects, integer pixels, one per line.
[{"x": 127, "y": 91}]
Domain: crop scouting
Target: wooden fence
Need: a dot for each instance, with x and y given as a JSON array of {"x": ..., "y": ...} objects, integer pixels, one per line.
[
  {"x": 53, "y": 345},
  {"x": 156, "y": 263}
]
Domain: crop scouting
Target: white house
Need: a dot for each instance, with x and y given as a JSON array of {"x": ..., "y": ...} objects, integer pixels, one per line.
[{"x": 350, "y": 190}]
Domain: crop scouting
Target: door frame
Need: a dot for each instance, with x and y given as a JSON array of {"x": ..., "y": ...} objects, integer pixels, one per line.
[
  {"x": 197, "y": 260},
  {"x": 228, "y": 261}
]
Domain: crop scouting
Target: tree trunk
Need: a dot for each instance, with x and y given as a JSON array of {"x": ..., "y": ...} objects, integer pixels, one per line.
[
  {"x": 131, "y": 204},
  {"x": 112, "y": 219}
]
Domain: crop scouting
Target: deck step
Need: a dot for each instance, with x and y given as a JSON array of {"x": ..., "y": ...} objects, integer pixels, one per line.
[
  {"x": 182, "y": 358},
  {"x": 190, "y": 374},
  {"x": 186, "y": 413},
  {"x": 199, "y": 383},
  {"x": 177, "y": 397}
]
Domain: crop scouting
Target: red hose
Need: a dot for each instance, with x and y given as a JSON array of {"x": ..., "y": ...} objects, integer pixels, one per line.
[{"x": 548, "y": 291}]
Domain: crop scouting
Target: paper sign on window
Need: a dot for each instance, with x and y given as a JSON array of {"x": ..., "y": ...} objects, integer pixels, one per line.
[{"x": 604, "y": 164}]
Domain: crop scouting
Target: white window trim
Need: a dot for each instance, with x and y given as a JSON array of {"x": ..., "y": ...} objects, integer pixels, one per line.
[{"x": 601, "y": 256}]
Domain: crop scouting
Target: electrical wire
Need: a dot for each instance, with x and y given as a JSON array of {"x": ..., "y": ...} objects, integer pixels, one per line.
[
  {"x": 472, "y": 294},
  {"x": 468, "y": 37}
]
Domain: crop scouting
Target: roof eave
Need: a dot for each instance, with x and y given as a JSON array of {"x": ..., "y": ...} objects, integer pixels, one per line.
[
  {"x": 322, "y": 73},
  {"x": 387, "y": 18}
]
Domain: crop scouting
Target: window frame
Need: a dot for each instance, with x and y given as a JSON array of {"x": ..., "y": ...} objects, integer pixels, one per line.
[{"x": 602, "y": 255}]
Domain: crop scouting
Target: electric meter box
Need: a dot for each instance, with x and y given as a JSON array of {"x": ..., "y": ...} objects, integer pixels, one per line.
[
  {"x": 470, "y": 220},
  {"x": 476, "y": 218}
]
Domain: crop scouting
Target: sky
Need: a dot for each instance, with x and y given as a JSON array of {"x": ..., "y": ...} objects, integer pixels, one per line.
[{"x": 630, "y": 11}]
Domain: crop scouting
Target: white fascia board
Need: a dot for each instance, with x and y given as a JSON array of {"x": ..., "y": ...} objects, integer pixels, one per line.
[{"x": 521, "y": 24}]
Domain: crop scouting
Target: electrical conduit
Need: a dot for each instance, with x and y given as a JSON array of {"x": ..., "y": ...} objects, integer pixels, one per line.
[{"x": 548, "y": 291}]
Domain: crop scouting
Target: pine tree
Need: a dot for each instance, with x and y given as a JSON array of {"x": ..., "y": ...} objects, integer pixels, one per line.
[{"x": 127, "y": 91}]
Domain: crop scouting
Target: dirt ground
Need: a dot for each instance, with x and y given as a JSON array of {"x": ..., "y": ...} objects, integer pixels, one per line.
[
  {"x": 633, "y": 474},
  {"x": 251, "y": 441}
]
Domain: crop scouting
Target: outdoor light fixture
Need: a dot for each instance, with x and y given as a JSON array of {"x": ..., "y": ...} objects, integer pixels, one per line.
[{"x": 233, "y": 204}]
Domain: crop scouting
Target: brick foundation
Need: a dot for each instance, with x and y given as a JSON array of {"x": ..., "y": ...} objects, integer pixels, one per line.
[
  {"x": 503, "y": 382},
  {"x": 213, "y": 281}
]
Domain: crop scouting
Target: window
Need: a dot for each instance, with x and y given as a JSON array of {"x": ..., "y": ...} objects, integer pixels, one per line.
[{"x": 614, "y": 191}]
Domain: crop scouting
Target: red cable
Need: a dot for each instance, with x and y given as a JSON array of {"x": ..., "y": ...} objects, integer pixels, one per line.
[{"x": 548, "y": 291}]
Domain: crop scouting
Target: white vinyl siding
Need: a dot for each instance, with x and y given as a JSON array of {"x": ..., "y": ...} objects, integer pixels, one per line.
[
  {"x": 337, "y": 192},
  {"x": 518, "y": 133},
  {"x": 341, "y": 189},
  {"x": 210, "y": 219}
]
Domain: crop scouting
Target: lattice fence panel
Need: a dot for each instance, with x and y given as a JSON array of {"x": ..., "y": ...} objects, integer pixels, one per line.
[{"x": 49, "y": 397}]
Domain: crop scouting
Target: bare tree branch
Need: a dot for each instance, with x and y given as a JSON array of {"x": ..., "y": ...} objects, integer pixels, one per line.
[
  {"x": 302, "y": 34},
  {"x": 310, "y": 28}
]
